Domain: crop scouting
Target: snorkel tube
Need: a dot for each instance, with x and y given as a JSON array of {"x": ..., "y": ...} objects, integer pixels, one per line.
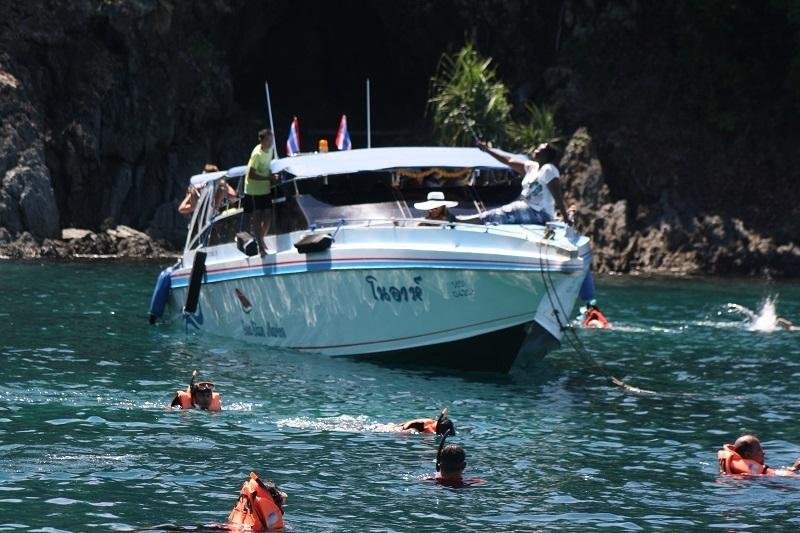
[
  {"x": 444, "y": 425},
  {"x": 449, "y": 429}
]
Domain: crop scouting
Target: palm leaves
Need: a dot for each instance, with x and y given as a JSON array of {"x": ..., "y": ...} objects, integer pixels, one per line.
[
  {"x": 466, "y": 94},
  {"x": 464, "y": 84}
]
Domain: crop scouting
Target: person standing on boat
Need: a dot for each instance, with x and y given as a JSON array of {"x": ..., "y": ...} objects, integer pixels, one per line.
[
  {"x": 257, "y": 187},
  {"x": 541, "y": 189}
]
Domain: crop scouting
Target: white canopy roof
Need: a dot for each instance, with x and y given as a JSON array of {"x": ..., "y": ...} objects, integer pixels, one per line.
[
  {"x": 372, "y": 159},
  {"x": 235, "y": 172}
]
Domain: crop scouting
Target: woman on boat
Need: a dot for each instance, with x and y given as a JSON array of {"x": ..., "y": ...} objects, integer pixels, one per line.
[
  {"x": 541, "y": 191},
  {"x": 223, "y": 191},
  {"x": 745, "y": 456},
  {"x": 437, "y": 208}
]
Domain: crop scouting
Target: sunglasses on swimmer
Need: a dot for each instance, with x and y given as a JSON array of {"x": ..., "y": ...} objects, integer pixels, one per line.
[{"x": 204, "y": 386}]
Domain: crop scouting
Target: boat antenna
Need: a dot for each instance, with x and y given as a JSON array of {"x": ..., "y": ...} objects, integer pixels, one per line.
[
  {"x": 271, "y": 124},
  {"x": 462, "y": 110},
  {"x": 369, "y": 131}
]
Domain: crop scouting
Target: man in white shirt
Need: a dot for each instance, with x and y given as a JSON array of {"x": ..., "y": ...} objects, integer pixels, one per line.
[{"x": 541, "y": 188}]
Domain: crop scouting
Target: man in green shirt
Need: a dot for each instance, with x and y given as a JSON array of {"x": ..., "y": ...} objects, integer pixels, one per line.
[{"x": 257, "y": 186}]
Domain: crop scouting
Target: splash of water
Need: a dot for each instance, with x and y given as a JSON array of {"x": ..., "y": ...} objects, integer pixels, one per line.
[{"x": 766, "y": 319}]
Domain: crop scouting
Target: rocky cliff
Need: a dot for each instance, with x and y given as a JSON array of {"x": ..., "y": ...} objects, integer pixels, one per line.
[{"x": 108, "y": 106}]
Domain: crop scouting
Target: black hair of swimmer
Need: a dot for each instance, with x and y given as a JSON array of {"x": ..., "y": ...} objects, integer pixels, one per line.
[
  {"x": 453, "y": 459},
  {"x": 444, "y": 426},
  {"x": 273, "y": 491}
]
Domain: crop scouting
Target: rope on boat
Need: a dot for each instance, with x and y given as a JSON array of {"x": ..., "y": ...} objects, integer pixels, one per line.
[{"x": 569, "y": 330}]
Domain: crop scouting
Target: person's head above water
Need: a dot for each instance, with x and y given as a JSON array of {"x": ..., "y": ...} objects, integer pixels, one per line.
[
  {"x": 202, "y": 393},
  {"x": 452, "y": 461},
  {"x": 749, "y": 447}
]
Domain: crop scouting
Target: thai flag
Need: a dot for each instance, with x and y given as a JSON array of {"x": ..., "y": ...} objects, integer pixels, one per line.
[
  {"x": 293, "y": 142},
  {"x": 343, "y": 136}
]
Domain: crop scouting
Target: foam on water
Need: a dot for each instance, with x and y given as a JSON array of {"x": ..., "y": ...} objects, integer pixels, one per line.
[{"x": 764, "y": 320}]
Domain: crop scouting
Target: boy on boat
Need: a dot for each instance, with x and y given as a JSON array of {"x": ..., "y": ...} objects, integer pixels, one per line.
[{"x": 257, "y": 187}]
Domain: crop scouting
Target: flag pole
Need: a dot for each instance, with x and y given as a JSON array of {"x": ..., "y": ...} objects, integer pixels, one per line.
[
  {"x": 271, "y": 124},
  {"x": 369, "y": 132}
]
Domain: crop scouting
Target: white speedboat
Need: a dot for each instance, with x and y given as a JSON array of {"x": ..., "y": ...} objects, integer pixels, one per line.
[{"x": 352, "y": 272}]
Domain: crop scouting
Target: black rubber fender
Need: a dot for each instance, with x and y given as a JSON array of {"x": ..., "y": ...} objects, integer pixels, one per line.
[{"x": 195, "y": 280}]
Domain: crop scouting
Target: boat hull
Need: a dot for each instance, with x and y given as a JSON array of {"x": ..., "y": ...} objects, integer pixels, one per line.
[{"x": 423, "y": 305}]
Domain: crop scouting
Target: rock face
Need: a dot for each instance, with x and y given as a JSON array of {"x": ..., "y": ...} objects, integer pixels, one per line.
[
  {"x": 106, "y": 112},
  {"x": 663, "y": 238},
  {"x": 119, "y": 242}
]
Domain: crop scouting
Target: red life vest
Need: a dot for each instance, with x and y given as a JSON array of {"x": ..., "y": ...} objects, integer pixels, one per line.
[
  {"x": 595, "y": 319},
  {"x": 185, "y": 398},
  {"x": 730, "y": 462},
  {"x": 256, "y": 508}
]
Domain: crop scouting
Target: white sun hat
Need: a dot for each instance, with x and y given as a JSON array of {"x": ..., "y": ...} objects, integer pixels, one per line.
[{"x": 435, "y": 199}]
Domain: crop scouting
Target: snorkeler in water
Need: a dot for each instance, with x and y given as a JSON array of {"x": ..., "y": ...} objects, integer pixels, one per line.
[
  {"x": 766, "y": 319},
  {"x": 439, "y": 426}
]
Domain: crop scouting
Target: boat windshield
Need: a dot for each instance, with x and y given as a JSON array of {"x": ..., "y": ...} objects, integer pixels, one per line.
[{"x": 365, "y": 197}]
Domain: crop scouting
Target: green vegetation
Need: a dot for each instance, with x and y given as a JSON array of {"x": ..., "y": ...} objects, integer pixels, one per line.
[
  {"x": 465, "y": 85},
  {"x": 540, "y": 127},
  {"x": 466, "y": 93}
]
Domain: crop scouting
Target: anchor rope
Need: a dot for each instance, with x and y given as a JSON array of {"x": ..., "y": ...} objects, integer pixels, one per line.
[{"x": 569, "y": 330}]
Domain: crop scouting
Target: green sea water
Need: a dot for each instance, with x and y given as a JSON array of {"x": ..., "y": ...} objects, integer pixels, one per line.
[{"x": 86, "y": 444}]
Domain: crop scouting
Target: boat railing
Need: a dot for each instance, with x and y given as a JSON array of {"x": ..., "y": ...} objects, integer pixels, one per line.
[
  {"x": 531, "y": 231},
  {"x": 207, "y": 212}
]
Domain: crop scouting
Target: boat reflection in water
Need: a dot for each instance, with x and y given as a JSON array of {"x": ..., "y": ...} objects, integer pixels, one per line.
[{"x": 352, "y": 272}]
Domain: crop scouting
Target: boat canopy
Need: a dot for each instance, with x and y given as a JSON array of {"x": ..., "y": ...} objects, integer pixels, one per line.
[
  {"x": 235, "y": 172},
  {"x": 376, "y": 159}
]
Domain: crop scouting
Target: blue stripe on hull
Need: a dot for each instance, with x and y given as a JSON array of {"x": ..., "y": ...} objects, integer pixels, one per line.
[{"x": 233, "y": 273}]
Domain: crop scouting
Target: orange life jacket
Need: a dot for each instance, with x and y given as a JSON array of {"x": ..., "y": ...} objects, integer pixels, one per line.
[
  {"x": 423, "y": 425},
  {"x": 256, "y": 508},
  {"x": 185, "y": 397},
  {"x": 595, "y": 314},
  {"x": 730, "y": 462}
]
